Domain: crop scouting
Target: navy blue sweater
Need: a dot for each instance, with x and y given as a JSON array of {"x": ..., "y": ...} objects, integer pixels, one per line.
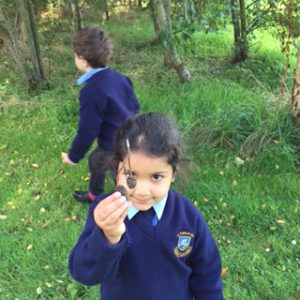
[
  {"x": 175, "y": 260},
  {"x": 106, "y": 101}
]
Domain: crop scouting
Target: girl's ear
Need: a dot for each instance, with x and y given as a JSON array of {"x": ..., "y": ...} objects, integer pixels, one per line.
[{"x": 173, "y": 179}]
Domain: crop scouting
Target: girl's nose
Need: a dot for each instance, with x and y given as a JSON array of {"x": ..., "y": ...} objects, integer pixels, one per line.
[{"x": 142, "y": 187}]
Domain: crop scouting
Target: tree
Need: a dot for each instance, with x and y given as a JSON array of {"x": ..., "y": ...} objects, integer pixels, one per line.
[
  {"x": 26, "y": 11},
  {"x": 13, "y": 17},
  {"x": 259, "y": 14},
  {"x": 75, "y": 10},
  {"x": 153, "y": 14},
  {"x": 171, "y": 58},
  {"x": 104, "y": 6},
  {"x": 296, "y": 90},
  {"x": 238, "y": 15}
]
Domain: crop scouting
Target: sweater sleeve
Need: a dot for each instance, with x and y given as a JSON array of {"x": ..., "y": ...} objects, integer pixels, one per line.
[
  {"x": 205, "y": 281},
  {"x": 93, "y": 260},
  {"x": 91, "y": 114}
]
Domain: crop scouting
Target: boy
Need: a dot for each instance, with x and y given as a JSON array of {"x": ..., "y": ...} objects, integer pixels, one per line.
[{"x": 106, "y": 100}]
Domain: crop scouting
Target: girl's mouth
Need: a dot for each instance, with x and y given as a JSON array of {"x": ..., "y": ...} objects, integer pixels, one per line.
[{"x": 142, "y": 202}]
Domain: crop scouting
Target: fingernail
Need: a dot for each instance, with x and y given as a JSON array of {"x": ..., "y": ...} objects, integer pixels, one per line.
[{"x": 117, "y": 194}]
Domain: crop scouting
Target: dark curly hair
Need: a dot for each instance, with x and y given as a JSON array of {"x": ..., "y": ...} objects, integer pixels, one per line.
[
  {"x": 94, "y": 45},
  {"x": 151, "y": 133}
]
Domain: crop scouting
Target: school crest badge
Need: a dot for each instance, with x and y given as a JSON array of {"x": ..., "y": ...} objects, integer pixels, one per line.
[{"x": 183, "y": 247}]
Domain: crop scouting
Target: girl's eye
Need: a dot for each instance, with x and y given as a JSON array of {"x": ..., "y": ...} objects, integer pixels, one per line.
[{"x": 157, "y": 177}]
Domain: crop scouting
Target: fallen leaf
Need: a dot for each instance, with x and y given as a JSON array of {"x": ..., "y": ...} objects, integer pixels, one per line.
[
  {"x": 11, "y": 205},
  {"x": 59, "y": 281},
  {"x": 224, "y": 271},
  {"x": 39, "y": 290},
  {"x": 234, "y": 183},
  {"x": 42, "y": 210},
  {"x": 280, "y": 222},
  {"x": 238, "y": 161}
]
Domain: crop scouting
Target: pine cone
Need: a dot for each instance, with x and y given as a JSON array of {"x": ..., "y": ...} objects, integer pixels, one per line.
[
  {"x": 131, "y": 182},
  {"x": 122, "y": 190}
]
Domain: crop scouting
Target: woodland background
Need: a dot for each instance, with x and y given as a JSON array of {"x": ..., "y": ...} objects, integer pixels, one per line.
[{"x": 227, "y": 71}]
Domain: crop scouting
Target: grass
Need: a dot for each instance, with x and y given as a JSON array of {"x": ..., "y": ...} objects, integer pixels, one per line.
[{"x": 225, "y": 112}]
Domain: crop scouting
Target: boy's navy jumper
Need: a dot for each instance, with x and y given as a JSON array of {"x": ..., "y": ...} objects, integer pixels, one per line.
[
  {"x": 175, "y": 260},
  {"x": 106, "y": 101}
]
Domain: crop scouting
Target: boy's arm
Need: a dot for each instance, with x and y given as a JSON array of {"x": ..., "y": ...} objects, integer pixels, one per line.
[
  {"x": 91, "y": 114},
  {"x": 65, "y": 159},
  {"x": 94, "y": 259},
  {"x": 205, "y": 281}
]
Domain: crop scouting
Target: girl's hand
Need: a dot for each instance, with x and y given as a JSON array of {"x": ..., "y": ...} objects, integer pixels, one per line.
[
  {"x": 109, "y": 215},
  {"x": 65, "y": 159}
]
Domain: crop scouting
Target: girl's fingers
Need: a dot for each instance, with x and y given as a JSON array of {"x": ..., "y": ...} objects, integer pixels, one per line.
[
  {"x": 118, "y": 216},
  {"x": 112, "y": 203},
  {"x": 112, "y": 212},
  {"x": 125, "y": 212}
]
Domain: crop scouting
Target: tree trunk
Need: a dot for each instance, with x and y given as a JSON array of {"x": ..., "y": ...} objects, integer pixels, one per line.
[
  {"x": 243, "y": 40},
  {"x": 189, "y": 10},
  {"x": 78, "y": 16},
  {"x": 104, "y": 6},
  {"x": 12, "y": 36},
  {"x": 11, "y": 42},
  {"x": 238, "y": 15},
  {"x": 26, "y": 12},
  {"x": 156, "y": 26},
  {"x": 172, "y": 59},
  {"x": 76, "y": 19},
  {"x": 296, "y": 90}
]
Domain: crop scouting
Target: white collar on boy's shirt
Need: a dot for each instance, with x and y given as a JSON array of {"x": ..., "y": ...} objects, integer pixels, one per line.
[
  {"x": 158, "y": 208},
  {"x": 86, "y": 76}
]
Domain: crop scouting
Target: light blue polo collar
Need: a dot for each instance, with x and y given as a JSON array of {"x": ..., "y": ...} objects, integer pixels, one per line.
[
  {"x": 86, "y": 76},
  {"x": 158, "y": 207}
]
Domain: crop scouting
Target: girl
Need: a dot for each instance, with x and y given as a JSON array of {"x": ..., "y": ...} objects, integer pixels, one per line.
[{"x": 156, "y": 245}]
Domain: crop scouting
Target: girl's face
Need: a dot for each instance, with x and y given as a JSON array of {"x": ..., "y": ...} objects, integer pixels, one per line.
[{"x": 153, "y": 179}]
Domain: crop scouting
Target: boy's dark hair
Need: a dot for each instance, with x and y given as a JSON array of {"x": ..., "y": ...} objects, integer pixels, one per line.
[
  {"x": 94, "y": 46},
  {"x": 152, "y": 134}
]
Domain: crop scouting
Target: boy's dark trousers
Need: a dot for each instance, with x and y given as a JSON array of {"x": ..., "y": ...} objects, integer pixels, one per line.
[{"x": 97, "y": 177}]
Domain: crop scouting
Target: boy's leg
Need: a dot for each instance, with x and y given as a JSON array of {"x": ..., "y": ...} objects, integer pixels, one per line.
[{"x": 97, "y": 178}]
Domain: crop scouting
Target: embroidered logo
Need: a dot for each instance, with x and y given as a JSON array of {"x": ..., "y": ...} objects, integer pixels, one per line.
[{"x": 183, "y": 247}]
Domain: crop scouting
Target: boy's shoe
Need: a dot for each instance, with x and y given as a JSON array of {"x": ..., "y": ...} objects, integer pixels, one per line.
[{"x": 82, "y": 197}]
